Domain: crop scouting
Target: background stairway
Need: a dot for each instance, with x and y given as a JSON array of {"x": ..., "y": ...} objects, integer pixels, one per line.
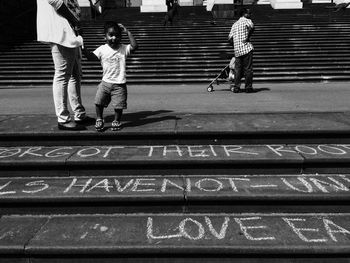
[
  {"x": 180, "y": 194},
  {"x": 290, "y": 45}
]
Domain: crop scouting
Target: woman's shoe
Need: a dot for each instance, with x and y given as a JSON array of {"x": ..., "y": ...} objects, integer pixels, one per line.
[{"x": 70, "y": 126}]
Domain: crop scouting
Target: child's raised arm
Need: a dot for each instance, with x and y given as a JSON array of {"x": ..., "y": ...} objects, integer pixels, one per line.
[
  {"x": 88, "y": 54},
  {"x": 132, "y": 40}
]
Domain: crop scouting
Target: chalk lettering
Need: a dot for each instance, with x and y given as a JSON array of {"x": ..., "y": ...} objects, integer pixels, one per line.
[
  {"x": 103, "y": 184},
  {"x": 213, "y": 150},
  {"x": 121, "y": 189},
  {"x": 87, "y": 152},
  {"x": 184, "y": 233},
  {"x": 176, "y": 149},
  {"x": 229, "y": 149},
  {"x": 186, "y": 151},
  {"x": 151, "y": 149},
  {"x": 308, "y": 186},
  {"x": 218, "y": 187},
  {"x": 41, "y": 184},
  {"x": 321, "y": 185},
  {"x": 305, "y": 149},
  {"x": 6, "y": 192},
  {"x": 31, "y": 151},
  {"x": 305, "y": 184},
  {"x": 344, "y": 178},
  {"x": 140, "y": 182},
  {"x": 5, "y": 153},
  {"x": 232, "y": 182},
  {"x": 299, "y": 230},
  {"x": 166, "y": 182},
  {"x": 346, "y": 146},
  {"x": 57, "y": 152},
  {"x": 74, "y": 184},
  {"x": 194, "y": 152},
  {"x": 110, "y": 148},
  {"x": 245, "y": 228},
  {"x": 277, "y": 149},
  {"x": 222, "y": 233},
  {"x": 188, "y": 185},
  {"x": 331, "y": 150},
  {"x": 150, "y": 233},
  {"x": 336, "y": 229}
]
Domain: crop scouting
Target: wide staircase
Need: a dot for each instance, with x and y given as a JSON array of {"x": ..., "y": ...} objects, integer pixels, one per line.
[
  {"x": 168, "y": 187},
  {"x": 311, "y": 44},
  {"x": 185, "y": 188}
]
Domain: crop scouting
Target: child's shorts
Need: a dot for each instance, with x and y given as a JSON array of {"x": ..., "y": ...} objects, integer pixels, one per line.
[{"x": 111, "y": 92}]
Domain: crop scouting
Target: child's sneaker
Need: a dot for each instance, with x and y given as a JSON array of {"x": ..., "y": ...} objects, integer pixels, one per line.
[
  {"x": 116, "y": 126},
  {"x": 99, "y": 125}
]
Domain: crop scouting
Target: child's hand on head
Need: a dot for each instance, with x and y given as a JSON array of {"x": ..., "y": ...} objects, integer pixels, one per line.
[{"x": 123, "y": 28}]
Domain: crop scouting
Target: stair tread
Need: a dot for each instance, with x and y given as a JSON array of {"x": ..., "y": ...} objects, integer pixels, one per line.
[
  {"x": 173, "y": 124},
  {"x": 142, "y": 234},
  {"x": 193, "y": 158},
  {"x": 185, "y": 190}
]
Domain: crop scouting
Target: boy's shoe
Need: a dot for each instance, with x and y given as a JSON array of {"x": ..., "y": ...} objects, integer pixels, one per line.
[
  {"x": 116, "y": 126},
  {"x": 99, "y": 125},
  {"x": 86, "y": 120},
  {"x": 70, "y": 126},
  {"x": 249, "y": 90}
]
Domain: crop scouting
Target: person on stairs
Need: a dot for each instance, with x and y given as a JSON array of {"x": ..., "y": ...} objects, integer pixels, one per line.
[
  {"x": 240, "y": 33},
  {"x": 113, "y": 88},
  {"x": 169, "y": 4},
  {"x": 210, "y": 7},
  {"x": 58, "y": 25},
  {"x": 173, "y": 11}
]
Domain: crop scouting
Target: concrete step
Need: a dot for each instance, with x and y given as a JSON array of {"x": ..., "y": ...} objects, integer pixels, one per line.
[
  {"x": 177, "y": 236},
  {"x": 297, "y": 193},
  {"x": 162, "y": 127},
  {"x": 173, "y": 158}
]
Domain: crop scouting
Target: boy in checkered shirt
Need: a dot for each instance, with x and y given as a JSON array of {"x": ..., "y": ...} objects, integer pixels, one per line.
[{"x": 241, "y": 32}]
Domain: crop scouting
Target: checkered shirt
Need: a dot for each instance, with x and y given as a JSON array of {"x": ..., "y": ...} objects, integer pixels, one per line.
[{"x": 240, "y": 31}]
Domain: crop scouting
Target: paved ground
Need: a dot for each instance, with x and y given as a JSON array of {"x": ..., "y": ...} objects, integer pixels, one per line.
[{"x": 292, "y": 97}]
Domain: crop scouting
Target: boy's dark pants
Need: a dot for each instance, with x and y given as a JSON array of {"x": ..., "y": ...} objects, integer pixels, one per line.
[{"x": 244, "y": 64}]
